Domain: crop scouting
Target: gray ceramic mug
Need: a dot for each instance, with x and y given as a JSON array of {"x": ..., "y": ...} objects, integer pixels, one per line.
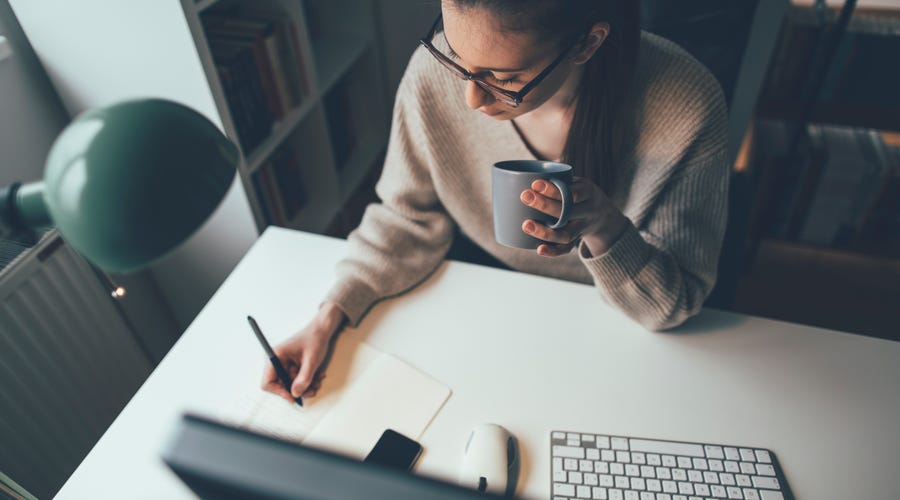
[{"x": 509, "y": 179}]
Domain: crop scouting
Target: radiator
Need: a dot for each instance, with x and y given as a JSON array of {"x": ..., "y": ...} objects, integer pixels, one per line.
[{"x": 68, "y": 364}]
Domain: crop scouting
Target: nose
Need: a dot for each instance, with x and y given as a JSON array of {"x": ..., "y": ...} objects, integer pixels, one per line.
[{"x": 476, "y": 97}]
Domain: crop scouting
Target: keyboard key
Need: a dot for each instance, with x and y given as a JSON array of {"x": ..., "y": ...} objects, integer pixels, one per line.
[
  {"x": 701, "y": 489},
  {"x": 770, "y": 495},
  {"x": 585, "y": 466},
  {"x": 583, "y": 492},
  {"x": 765, "y": 482},
  {"x": 647, "y": 471},
  {"x": 679, "y": 475},
  {"x": 714, "y": 452},
  {"x": 559, "y": 435},
  {"x": 734, "y": 493},
  {"x": 695, "y": 476},
  {"x": 615, "y": 494},
  {"x": 638, "y": 458},
  {"x": 631, "y": 495},
  {"x": 742, "y": 480},
  {"x": 563, "y": 489},
  {"x": 575, "y": 477},
  {"x": 560, "y": 476},
  {"x": 570, "y": 464},
  {"x": 637, "y": 483},
  {"x": 646, "y": 495},
  {"x": 685, "y": 488},
  {"x": 617, "y": 469},
  {"x": 605, "y": 480},
  {"x": 750, "y": 494},
  {"x": 622, "y": 482},
  {"x": 763, "y": 456},
  {"x": 573, "y": 436},
  {"x": 716, "y": 465},
  {"x": 732, "y": 453},
  {"x": 590, "y": 479},
  {"x": 727, "y": 479},
  {"x": 747, "y": 455},
  {"x": 732, "y": 466},
  {"x": 663, "y": 496},
  {"x": 653, "y": 459},
  {"x": 654, "y": 485},
  {"x": 632, "y": 470},
  {"x": 602, "y": 441},
  {"x": 601, "y": 467},
  {"x": 557, "y": 464},
  {"x": 573, "y": 442},
  {"x": 607, "y": 455},
  {"x": 623, "y": 457},
  {"x": 598, "y": 493},
  {"x": 593, "y": 453},
  {"x": 652, "y": 446},
  {"x": 748, "y": 468},
  {"x": 619, "y": 443},
  {"x": 587, "y": 438},
  {"x": 669, "y": 461},
  {"x": 700, "y": 463},
  {"x": 663, "y": 473},
  {"x": 568, "y": 451},
  {"x": 670, "y": 487},
  {"x": 711, "y": 478},
  {"x": 684, "y": 462},
  {"x": 718, "y": 491},
  {"x": 765, "y": 470}
]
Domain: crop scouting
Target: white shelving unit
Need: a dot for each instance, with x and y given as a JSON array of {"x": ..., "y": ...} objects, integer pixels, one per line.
[{"x": 339, "y": 129}]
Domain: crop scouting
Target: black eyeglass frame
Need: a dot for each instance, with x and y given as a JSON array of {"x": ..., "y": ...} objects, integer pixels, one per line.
[{"x": 509, "y": 97}]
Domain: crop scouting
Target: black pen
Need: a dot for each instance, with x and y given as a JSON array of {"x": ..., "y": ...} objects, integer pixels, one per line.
[{"x": 276, "y": 363}]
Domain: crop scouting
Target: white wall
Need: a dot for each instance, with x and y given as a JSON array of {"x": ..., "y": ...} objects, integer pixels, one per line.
[
  {"x": 31, "y": 115},
  {"x": 97, "y": 52}
]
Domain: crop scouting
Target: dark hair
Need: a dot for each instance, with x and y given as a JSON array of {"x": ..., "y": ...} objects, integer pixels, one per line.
[{"x": 598, "y": 127}]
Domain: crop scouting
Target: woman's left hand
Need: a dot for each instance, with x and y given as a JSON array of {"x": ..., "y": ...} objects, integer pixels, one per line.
[{"x": 594, "y": 218}]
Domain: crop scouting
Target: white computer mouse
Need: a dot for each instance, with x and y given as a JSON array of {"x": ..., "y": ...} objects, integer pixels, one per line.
[{"x": 490, "y": 460}]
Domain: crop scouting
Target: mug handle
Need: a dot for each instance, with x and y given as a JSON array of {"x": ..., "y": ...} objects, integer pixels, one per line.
[{"x": 567, "y": 203}]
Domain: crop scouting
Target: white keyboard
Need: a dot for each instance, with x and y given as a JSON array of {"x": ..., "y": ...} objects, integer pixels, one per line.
[{"x": 626, "y": 468}]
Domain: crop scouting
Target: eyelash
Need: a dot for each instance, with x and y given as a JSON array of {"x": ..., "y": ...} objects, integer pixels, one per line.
[{"x": 453, "y": 55}]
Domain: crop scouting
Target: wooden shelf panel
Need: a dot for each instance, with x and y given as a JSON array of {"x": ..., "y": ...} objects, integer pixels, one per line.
[{"x": 281, "y": 131}]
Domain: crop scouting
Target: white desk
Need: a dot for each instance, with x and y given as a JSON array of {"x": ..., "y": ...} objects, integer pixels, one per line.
[{"x": 827, "y": 403}]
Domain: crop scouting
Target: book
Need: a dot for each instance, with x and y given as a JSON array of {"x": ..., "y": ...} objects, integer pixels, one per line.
[{"x": 289, "y": 177}]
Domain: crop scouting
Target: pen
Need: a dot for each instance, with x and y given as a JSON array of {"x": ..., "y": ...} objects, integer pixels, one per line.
[{"x": 276, "y": 363}]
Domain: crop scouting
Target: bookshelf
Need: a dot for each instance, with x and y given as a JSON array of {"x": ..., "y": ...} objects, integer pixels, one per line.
[{"x": 298, "y": 86}]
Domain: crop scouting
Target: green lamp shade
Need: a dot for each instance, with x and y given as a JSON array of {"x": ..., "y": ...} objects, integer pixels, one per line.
[{"x": 127, "y": 183}]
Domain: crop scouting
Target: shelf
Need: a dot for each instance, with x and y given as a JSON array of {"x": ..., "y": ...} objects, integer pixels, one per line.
[
  {"x": 358, "y": 166},
  {"x": 869, "y": 116},
  {"x": 201, "y": 5},
  {"x": 281, "y": 131},
  {"x": 334, "y": 55}
]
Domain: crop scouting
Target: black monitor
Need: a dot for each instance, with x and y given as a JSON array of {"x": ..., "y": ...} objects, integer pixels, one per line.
[{"x": 219, "y": 461}]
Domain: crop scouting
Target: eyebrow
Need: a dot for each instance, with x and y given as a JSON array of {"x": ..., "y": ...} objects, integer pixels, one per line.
[{"x": 498, "y": 70}]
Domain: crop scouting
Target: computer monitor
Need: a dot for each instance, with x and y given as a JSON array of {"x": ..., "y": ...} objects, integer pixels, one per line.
[{"x": 219, "y": 461}]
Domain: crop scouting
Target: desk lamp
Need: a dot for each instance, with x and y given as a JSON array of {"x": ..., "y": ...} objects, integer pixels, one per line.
[{"x": 127, "y": 183}]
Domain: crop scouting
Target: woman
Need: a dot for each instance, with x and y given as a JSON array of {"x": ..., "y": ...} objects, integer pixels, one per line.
[{"x": 642, "y": 122}]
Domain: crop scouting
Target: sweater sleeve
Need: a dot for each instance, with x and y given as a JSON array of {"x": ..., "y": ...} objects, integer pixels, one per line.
[{"x": 402, "y": 239}]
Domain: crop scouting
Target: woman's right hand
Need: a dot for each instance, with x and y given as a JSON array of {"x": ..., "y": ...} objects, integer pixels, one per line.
[{"x": 303, "y": 353}]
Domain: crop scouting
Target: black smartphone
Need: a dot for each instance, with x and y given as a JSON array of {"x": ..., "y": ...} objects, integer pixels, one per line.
[{"x": 395, "y": 450}]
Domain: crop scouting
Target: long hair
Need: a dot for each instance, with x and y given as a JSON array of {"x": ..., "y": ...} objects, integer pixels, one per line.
[{"x": 597, "y": 132}]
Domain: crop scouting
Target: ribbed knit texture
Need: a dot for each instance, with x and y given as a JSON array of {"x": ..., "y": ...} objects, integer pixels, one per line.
[{"x": 671, "y": 184}]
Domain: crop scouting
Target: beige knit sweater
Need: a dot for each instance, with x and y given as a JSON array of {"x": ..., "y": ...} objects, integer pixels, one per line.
[{"x": 672, "y": 185}]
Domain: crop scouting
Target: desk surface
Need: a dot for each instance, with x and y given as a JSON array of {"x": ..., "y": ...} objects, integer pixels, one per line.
[{"x": 827, "y": 403}]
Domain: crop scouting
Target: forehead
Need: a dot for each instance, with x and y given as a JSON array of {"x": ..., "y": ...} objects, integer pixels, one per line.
[{"x": 477, "y": 37}]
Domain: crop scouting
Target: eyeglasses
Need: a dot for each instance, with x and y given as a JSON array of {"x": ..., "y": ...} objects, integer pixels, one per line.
[{"x": 507, "y": 97}]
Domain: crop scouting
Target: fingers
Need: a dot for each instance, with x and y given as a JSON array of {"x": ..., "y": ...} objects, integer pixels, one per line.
[
  {"x": 270, "y": 383},
  {"x": 308, "y": 366},
  {"x": 581, "y": 189},
  {"x": 564, "y": 235},
  {"x": 551, "y": 250}
]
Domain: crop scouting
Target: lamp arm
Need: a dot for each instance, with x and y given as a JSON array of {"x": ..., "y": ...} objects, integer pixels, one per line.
[{"x": 22, "y": 208}]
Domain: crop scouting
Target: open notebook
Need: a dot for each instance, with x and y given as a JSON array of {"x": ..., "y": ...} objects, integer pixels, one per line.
[{"x": 365, "y": 391}]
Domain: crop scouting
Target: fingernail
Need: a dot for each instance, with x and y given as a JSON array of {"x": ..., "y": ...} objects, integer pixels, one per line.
[
  {"x": 527, "y": 196},
  {"x": 539, "y": 185},
  {"x": 529, "y": 226}
]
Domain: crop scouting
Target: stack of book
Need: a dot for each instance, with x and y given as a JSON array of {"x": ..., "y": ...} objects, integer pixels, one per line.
[
  {"x": 261, "y": 66},
  {"x": 841, "y": 193},
  {"x": 280, "y": 185}
]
